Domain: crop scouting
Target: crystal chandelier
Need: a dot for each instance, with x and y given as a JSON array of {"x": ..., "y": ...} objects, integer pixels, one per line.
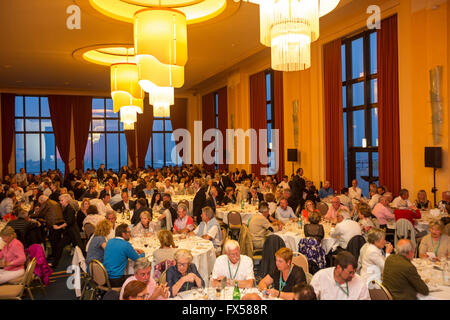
[{"x": 289, "y": 27}]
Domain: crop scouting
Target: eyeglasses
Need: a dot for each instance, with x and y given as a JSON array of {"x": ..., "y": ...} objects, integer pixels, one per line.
[{"x": 183, "y": 264}]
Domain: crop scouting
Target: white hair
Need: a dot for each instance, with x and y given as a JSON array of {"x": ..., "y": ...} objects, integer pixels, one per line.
[{"x": 230, "y": 245}]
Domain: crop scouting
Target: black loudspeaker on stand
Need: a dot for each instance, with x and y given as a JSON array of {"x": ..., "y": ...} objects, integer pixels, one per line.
[
  {"x": 292, "y": 155},
  {"x": 433, "y": 159}
]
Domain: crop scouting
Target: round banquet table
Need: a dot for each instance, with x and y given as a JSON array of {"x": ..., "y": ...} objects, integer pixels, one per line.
[
  {"x": 291, "y": 235},
  {"x": 210, "y": 294},
  {"x": 246, "y": 213},
  {"x": 432, "y": 274},
  {"x": 202, "y": 250}
]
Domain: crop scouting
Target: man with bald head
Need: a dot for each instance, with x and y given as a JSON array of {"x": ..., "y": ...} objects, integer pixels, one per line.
[
  {"x": 400, "y": 276},
  {"x": 332, "y": 211}
]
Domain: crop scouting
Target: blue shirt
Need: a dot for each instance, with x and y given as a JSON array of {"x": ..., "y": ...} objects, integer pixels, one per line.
[
  {"x": 173, "y": 276},
  {"x": 117, "y": 253},
  {"x": 95, "y": 251},
  {"x": 325, "y": 193}
]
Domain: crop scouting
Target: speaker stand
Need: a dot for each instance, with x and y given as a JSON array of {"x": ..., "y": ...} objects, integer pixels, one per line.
[{"x": 434, "y": 190}]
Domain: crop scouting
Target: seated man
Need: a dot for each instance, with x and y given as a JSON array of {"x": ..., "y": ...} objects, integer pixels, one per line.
[
  {"x": 209, "y": 228},
  {"x": 340, "y": 282},
  {"x": 117, "y": 253},
  {"x": 345, "y": 199},
  {"x": 102, "y": 204},
  {"x": 284, "y": 213},
  {"x": 403, "y": 196},
  {"x": 445, "y": 201},
  {"x": 383, "y": 212},
  {"x": 400, "y": 276},
  {"x": 254, "y": 195},
  {"x": 326, "y": 190},
  {"x": 233, "y": 266},
  {"x": 125, "y": 204},
  {"x": 260, "y": 226},
  {"x": 142, "y": 271},
  {"x": 332, "y": 211},
  {"x": 345, "y": 229},
  {"x": 184, "y": 223}
]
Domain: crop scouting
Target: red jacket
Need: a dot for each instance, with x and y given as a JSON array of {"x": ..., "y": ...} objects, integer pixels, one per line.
[{"x": 407, "y": 214}]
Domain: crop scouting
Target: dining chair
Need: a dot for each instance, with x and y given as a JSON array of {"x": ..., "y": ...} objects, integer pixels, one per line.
[
  {"x": 379, "y": 292},
  {"x": 300, "y": 260},
  {"x": 15, "y": 291}
]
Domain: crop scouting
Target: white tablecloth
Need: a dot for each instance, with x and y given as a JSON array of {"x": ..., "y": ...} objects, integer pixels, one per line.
[
  {"x": 202, "y": 250},
  {"x": 246, "y": 213},
  {"x": 291, "y": 235},
  {"x": 434, "y": 279},
  {"x": 226, "y": 294}
]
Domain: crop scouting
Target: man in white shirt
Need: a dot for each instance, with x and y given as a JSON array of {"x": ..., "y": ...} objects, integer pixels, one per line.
[
  {"x": 284, "y": 213},
  {"x": 284, "y": 184},
  {"x": 345, "y": 229},
  {"x": 17, "y": 190},
  {"x": 403, "y": 197},
  {"x": 340, "y": 282},
  {"x": 345, "y": 199},
  {"x": 233, "y": 266},
  {"x": 47, "y": 191},
  {"x": 355, "y": 192},
  {"x": 21, "y": 178},
  {"x": 102, "y": 204},
  {"x": 168, "y": 188},
  {"x": 116, "y": 198},
  {"x": 209, "y": 228}
]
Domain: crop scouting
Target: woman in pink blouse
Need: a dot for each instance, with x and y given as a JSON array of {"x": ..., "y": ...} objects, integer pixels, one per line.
[{"x": 12, "y": 256}]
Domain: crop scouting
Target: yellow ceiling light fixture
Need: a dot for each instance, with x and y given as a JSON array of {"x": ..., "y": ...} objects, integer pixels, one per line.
[
  {"x": 195, "y": 10},
  {"x": 289, "y": 27},
  {"x": 160, "y": 44},
  {"x": 127, "y": 94}
]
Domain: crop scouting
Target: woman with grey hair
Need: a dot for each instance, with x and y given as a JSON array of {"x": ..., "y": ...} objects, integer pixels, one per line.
[
  {"x": 371, "y": 258},
  {"x": 184, "y": 275}
]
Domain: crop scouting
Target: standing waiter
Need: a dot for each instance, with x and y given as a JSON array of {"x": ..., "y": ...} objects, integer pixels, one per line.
[{"x": 298, "y": 186}]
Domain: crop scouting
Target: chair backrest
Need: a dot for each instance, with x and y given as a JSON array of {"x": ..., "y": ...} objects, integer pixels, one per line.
[
  {"x": 404, "y": 229},
  {"x": 309, "y": 277},
  {"x": 29, "y": 272},
  {"x": 355, "y": 244},
  {"x": 98, "y": 273},
  {"x": 89, "y": 229},
  {"x": 379, "y": 292},
  {"x": 323, "y": 208},
  {"x": 300, "y": 261},
  {"x": 234, "y": 220},
  {"x": 271, "y": 245}
]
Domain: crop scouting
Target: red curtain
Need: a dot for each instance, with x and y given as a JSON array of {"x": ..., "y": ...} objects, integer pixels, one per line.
[
  {"x": 131, "y": 147},
  {"x": 82, "y": 115},
  {"x": 8, "y": 111},
  {"x": 279, "y": 119},
  {"x": 60, "y": 113},
  {"x": 334, "y": 130},
  {"x": 223, "y": 123},
  {"x": 388, "y": 106},
  {"x": 144, "y": 126},
  {"x": 208, "y": 121},
  {"x": 258, "y": 114}
]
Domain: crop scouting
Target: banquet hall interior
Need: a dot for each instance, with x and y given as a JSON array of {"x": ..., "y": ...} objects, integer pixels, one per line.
[{"x": 183, "y": 116}]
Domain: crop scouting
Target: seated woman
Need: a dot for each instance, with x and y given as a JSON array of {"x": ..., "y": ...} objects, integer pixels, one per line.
[
  {"x": 229, "y": 196},
  {"x": 184, "y": 223},
  {"x": 310, "y": 207},
  {"x": 436, "y": 244},
  {"x": 12, "y": 256},
  {"x": 135, "y": 290},
  {"x": 144, "y": 228},
  {"x": 166, "y": 217},
  {"x": 284, "y": 277},
  {"x": 97, "y": 244},
  {"x": 313, "y": 228},
  {"x": 422, "y": 203},
  {"x": 167, "y": 247},
  {"x": 82, "y": 213},
  {"x": 184, "y": 275},
  {"x": 156, "y": 202},
  {"x": 93, "y": 217},
  {"x": 371, "y": 259},
  {"x": 365, "y": 220},
  {"x": 270, "y": 199}
]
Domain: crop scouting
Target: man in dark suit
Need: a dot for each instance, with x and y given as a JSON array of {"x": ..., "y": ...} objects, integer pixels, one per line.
[
  {"x": 212, "y": 200},
  {"x": 101, "y": 172},
  {"x": 90, "y": 192},
  {"x": 225, "y": 182},
  {"x": 199, "y": 201},
  {"x": 130, "y": 190},
  {"x": 298, "y": 185},
  {"x": 125, "y": 204},
  {"x": 255, "y": 195},
  {"x": 292, "y": 201}
]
